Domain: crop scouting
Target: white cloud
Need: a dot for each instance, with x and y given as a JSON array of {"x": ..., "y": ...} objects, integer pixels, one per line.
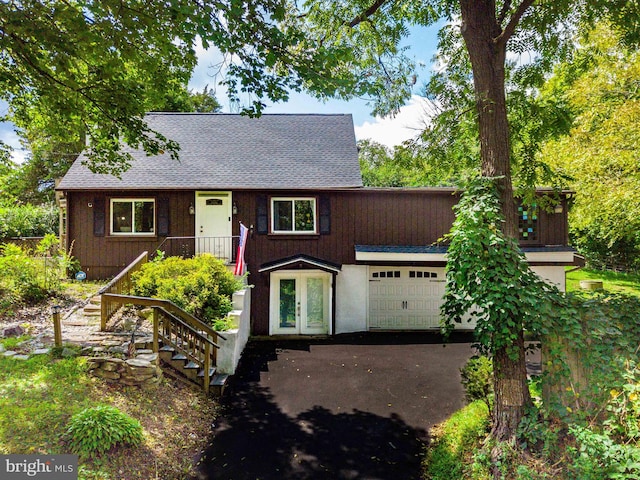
[
  {"x": 9, "y": 136},
  {"x": 209, "y": 69},
  {"x": 407, "y": 124}
]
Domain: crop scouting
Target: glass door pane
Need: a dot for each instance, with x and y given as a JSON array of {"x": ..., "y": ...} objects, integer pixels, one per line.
[
  {"x": 315, "y": 303},
  {"x": 287, "y": 307}
]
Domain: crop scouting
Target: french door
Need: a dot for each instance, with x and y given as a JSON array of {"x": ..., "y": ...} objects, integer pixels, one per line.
[{"x": 300, "y": 303}]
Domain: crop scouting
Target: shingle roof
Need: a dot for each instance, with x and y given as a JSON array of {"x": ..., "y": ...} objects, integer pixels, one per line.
[{"x": 227, "y": 151}]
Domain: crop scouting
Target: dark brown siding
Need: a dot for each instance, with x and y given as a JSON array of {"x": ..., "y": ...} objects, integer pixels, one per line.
[
  {"x": 361, "y": 217},
  {"x": 105, "y": 256},
  {"x": 358, "y": 217}
]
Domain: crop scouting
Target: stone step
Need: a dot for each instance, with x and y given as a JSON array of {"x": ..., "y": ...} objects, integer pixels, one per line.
[{"x": 91, "y": 310}]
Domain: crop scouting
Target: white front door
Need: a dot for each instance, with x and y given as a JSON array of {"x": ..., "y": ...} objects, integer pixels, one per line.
[
  {"x": 213, "y": 224},
  {"x": 300, "y": 303}
]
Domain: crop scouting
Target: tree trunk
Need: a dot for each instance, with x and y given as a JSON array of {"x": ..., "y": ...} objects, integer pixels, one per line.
[{"x": 480, "y": 31}]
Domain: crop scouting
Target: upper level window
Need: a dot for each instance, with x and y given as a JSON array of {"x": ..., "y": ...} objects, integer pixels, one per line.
[
  {"x": 293, "y": 215},
  {"x": 132, "y": 216},
  {"x": 528, "y": 222}
]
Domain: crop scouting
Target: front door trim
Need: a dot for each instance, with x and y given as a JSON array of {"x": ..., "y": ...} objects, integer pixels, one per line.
[
  {"x": 300, "y": 311},
  {"x": 213, "y": 214}
]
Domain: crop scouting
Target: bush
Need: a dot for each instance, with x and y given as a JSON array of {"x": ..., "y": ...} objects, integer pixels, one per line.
[
  {"x": 28, "y": 221},
  {"x": 29, "y": 278},
  {"x": 19, "y": 278},
  {"x": 96, "y": 430},
  {"x": 202, "y": 286},
  {"x": 477, "y": 380}
]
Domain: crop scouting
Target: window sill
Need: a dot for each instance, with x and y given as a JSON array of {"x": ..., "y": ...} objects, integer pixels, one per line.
[
  {"x": 293, "y": 236},
  {"x": 131, "y": 238}
]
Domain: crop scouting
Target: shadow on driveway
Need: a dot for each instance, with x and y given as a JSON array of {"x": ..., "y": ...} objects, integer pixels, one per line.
[{"x": 356, "y": 406}]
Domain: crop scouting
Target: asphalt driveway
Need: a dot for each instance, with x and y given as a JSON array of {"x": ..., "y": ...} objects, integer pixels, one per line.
[{"x": 348, "y": 407}]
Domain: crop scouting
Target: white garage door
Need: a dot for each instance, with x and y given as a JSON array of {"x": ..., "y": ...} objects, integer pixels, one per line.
[{"x": 405, "y": 298}]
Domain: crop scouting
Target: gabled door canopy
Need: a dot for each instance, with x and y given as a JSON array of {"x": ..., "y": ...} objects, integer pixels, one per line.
[{"x": 300, "y": 262}]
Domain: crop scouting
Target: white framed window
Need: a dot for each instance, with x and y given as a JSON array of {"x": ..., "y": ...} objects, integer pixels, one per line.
[
  {"x": 133, "y": 216},
  {"x": 294, "y": 215}
]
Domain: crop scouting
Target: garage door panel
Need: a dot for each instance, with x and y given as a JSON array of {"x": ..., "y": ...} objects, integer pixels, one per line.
[{"x": 407, "y": 298}]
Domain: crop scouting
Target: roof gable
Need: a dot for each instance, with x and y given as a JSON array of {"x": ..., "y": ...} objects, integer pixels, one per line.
[{"x": 228, "y": 151}]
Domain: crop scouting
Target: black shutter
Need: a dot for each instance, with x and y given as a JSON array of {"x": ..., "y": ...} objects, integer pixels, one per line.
[
  {"x": 162, "y": 214},
  {"x": 262, "y": 215},
  {"x": 98, "y": 217},
  {"x": 325, "y": 215}
]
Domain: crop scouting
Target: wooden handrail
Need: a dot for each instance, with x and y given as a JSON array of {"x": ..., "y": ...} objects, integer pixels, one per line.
[
  {"x": 142, "y": 258},
  {"x": 177, "y": 319},
  {"x": 120, "y": 284},
  {"x": 167, "y": 305},
  {"x": 183, "y": 338}
]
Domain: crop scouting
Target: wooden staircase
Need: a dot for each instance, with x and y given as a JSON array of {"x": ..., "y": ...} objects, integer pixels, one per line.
[
  {"x": 189, "y": 371},
  {"x": 187, "y": 347},
  {"x": 185, "y": 344}
]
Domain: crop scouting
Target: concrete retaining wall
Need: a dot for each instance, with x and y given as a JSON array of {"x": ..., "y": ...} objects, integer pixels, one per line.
[{"x": 236, "y": 339}]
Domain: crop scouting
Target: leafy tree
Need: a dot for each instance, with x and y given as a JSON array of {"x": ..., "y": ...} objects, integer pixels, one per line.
[
  {"x": 407, "y": 165},
  {"x": 475, "y": 45},
  {"x": 52, "y": 152},
  {"x": 602, "y": 152},
  {"x": 92, "y": 68},
  {"x": 204, "y": 102}
]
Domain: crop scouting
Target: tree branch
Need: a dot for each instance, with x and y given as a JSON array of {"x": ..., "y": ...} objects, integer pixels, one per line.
[
  {"x": 513, "y": 21},
  {"x": 367, "y": 13},
  {"x": 503, "y": 13}
]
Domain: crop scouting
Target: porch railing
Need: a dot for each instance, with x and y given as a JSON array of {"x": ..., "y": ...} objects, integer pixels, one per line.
[{"x": 224, "y": 248}]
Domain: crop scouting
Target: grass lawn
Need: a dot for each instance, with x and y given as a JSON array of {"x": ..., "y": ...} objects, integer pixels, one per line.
[
  {"x": 612, "y": 281},
  {"x": 39, "y": 396}
]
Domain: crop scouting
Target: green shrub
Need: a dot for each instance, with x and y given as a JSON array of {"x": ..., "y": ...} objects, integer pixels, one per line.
[
  {"x": 28, "y": 221},
  {"x": 27, "y": 277},
  {"x": 599, "y": 456},
  {"x": 96, "y": 430},
  {"x": 19, "y": 277},
  {"x": 600, "y": 331},
  {"x": 202, "y": 286},
  {"x": 477, "y": 380}
]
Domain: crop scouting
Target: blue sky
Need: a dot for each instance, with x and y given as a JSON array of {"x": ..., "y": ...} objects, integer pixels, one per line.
[{"x": 422, "y": 44}]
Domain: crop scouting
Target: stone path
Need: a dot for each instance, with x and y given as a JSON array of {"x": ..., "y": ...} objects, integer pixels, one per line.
[{"x": 77, "y": 329}]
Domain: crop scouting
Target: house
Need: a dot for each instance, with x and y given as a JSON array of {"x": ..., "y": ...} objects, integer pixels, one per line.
[{"x": 325, "y": 254}]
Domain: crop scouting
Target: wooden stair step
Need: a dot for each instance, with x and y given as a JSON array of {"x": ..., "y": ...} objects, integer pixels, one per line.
[
  {"x": 218, "y": 384},
  {"x": 179, "y": 356},
  {"x": 97, "y": 300},
  {"x": 220, "y": 379},
  {"x": 90, "y": 307},
  {"x": 167, "y": 348},
  {"x": 176, "y": 375},
  {"x": 191, "y": 370},
  {"x": 212, "y": 371}
]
